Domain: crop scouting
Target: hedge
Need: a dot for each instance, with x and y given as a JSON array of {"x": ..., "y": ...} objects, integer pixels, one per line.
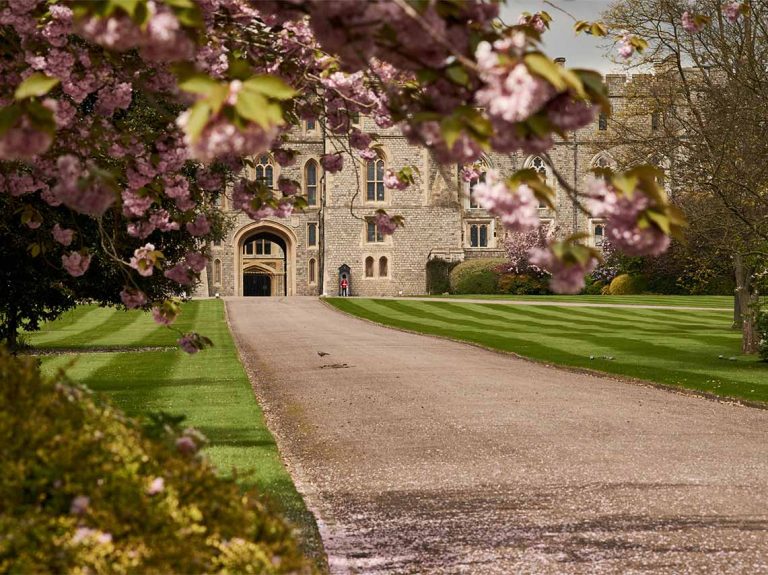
[
  {"x": 476, "y": 276},
  {"x": 85, "y": 489}
]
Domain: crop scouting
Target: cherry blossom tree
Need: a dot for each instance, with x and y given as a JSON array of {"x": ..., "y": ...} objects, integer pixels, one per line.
[{"x": 86, "y": 83}]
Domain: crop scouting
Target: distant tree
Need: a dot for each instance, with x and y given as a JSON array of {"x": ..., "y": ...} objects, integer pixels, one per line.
[{"x": 699, "y": 117}]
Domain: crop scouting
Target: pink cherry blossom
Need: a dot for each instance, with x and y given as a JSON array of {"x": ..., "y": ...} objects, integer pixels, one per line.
[
  {"x": 690, "y": 25},
  {"x": 195, "y": 261},
  {"x": 162, "y": 316},
  {"x": 76, "y": 263},
  {"x": 79, "y": 505},
  {"x": 143, "y": 260},
  {"x": 732, "y": 11},
  {"x": 393, "y": 181},
  {"x": 288, "y": 187},
  {"x": 284, "y": 157},
  {"x": 187, "y": 344},
  {"x": 518, "y": 210},
  {"x": 156, "y": 486},
  {"x": 135, "y": 205},
  {"x": 200, "y": 226},
  {"x": 62, "y": 235},
  {"x": 180, "y": 274},
  {"x": 567, "y": 278},
  {"x": 85, "y": 533},
  {"x": 332, "y": 162},
  {"x": 221, "y": 138},
  {"x": 624, "y": 46},
  {"x": 133, "y": 298},
  {"x": 23, "y": 142},
  {"x": 185, "y": 444},
  {"x": 385, "y": 224}
]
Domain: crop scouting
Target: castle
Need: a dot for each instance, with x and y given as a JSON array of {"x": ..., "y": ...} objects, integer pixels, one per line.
[{"x": 309, "y": 252}]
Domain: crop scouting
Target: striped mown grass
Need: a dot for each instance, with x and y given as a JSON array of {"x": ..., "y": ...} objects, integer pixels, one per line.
[
  {"x": 706, "y": 301},
  {"x": 673, "y": 347},
  {"x": 210, "y": 388}
]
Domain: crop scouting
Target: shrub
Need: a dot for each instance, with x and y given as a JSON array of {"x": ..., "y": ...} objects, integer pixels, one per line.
[
  {"x": 626, "y": 284},
  {"x": 520, "y": 284},
  {"x": 476, "y": 276},
  {"x": 438, "y": 275},
  {"x": 762, "y": 335},
  {"x": 594, "y": 287},
  {"x": 84, "y": 489}
]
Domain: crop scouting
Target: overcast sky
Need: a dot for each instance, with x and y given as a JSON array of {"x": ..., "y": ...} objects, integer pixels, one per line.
[{"x": 581, "y": 51}]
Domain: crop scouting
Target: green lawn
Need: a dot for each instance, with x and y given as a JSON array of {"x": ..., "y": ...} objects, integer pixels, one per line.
[
  {"x": 669, "y": 346},
  {"x": 708, "y": 301},
  {"x": 210, "y": 388}
]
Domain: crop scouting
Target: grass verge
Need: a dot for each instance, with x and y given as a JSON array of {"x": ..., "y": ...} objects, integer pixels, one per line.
[
  {"x": 705, "y": 301},
  {"x": 695, "y": 350},
  {"x": 210, "y": 388}
]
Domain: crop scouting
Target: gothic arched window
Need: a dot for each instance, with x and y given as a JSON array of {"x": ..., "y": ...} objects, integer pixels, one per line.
[
  {"x": 375, "y": 181},
  {"x": 217, "y": 271},
  {"x": 541, "y": 168},
  {"x": 265, "y": 171},
  {"x": 310, "y": 182},
  {"x": 369, "y": 267},
  {"x": 383, "y": 267}
]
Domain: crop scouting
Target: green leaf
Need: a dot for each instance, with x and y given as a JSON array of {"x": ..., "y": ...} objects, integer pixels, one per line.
[
  {"x": 541, "y": 65},
  {"x": 8, "y": 117},
  {"x": 38, "y": 84},
  {"x": 661, "y": 221},
  {"x": 253, "y": 106},
  {"x": 34, "y": 249},
  {"x": 458, "y": 75},
  {"x": 451, "y": 130},
  {"x": 269, "y": 86},
  {"x": 199, "y": 114},
  {"x": 200, "y": 84}
]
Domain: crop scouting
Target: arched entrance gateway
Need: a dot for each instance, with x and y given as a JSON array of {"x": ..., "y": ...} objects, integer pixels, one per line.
[{"x": 265, "y": 260}]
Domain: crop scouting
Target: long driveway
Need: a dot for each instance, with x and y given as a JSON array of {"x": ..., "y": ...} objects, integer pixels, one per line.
[{"x": 420, "y": 455}]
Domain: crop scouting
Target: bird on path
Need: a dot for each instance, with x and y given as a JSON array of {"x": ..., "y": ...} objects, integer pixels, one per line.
[{"x": 322, "y": 353}]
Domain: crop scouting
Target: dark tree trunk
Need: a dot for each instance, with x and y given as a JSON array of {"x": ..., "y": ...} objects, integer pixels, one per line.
[{"x": 745, "y": 306}]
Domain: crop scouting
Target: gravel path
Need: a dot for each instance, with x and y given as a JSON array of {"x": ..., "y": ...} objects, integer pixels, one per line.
[{"x": 420, "y": 455}]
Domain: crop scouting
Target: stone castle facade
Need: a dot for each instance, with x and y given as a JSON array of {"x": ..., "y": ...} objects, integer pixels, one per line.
[{"x": 308, "y": 253}]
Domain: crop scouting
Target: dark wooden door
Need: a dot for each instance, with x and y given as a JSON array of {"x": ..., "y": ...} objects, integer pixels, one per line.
[{"x": 257, "y": 285}]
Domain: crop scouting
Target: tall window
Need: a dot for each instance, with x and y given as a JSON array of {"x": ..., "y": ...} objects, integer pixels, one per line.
[
  {"x": 265, "y": 172},
  {"x": 472, "y": 184},
  {"x": 372, "y": 233},
  {"x": 369, "y": 267},
  {"x": 311, "y": 234},
  {"x": 312, "y": 271},
  {"x": 310, "y": 125},
  {"x": 478, "y": 235},
  {"x": 602, "y": 122},
  {"x": 599, "y": 232},
  {"x": 217, "y": 271},
  {"x": 538, "y": 164},
  {"x": 655, "y": 121},
  {"x": 383, "y": 267},
  {"x": 310, "y": 181},
  {"x": 375, "y": 181}
]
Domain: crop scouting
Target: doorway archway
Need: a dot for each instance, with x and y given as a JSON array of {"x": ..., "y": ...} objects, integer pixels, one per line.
[{"x": 265, "y": 260}]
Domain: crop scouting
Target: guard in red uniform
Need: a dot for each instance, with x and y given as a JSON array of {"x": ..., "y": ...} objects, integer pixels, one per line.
[{"x": 344, "y": 287}]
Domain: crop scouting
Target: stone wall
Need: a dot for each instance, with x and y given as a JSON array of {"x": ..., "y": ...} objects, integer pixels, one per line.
[{"x": 436, "y": 211}]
